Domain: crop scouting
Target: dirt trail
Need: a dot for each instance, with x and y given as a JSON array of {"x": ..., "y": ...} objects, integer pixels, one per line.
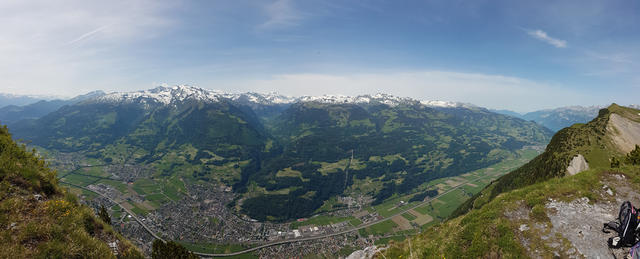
[{"x": 580, "y": 221}]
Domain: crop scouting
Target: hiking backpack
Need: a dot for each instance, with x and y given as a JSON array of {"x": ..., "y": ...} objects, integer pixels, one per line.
[{"x": 626, "y": 226}]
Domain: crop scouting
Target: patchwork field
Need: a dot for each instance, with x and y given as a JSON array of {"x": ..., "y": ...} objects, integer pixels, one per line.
[
  {"x": 421, "y": 219},
  {"x": 402, "y": 222}
]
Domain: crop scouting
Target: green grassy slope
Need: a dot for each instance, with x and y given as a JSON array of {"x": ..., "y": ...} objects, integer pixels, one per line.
[
  {"x": 483, "y": 226},
  {"x": 589, "y": 140},
  {"x": 38, "y": 219}
]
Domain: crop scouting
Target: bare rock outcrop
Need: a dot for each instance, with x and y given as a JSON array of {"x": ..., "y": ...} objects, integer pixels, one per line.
[
  {"x": 624, "y": 132},
  {"x": 578, "y": 164}
]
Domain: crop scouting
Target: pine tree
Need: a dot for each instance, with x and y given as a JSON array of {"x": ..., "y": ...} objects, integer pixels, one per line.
[
  {"x": 615, "y": 163},
  {"x": 634, "y": 156},
  {"x": 104, "y": 215}
]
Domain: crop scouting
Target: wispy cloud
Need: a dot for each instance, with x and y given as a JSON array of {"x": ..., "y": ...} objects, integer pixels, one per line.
[
  {"x": 543, "y": 36},
  {"x": 281, "y": 13},
  {"x": 86, "y": 35}
]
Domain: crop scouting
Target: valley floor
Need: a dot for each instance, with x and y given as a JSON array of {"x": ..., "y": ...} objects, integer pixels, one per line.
[{"x": 196, "y": 215}]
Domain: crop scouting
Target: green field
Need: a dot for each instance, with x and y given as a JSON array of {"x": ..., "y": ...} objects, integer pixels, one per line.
[
  {"x": 157, "y": 199},
  {"x": 93, "y": 171},
  {"x": 409, "y": 216},
  {"x": 379, "y": 229},
  {"x": 355, "y": 222},
  {"x": 116, "y": 212},
  {"x": 146, "y": 186},
  {"x": 87, "y": 194},
  {"x": 174, "y": 188},
  {"x": 79, "y": 179},
  {"x": 138, "y": 210},
  {"x": 390, "y": 206},
  {"x": 442, "y": 207},
  {"x": 120, "y": 186}
]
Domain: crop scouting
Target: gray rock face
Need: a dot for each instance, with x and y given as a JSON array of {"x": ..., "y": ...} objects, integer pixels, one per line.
[
  {"x": 625, "y": 132},
  {"x": 366, "y": 253},
  {"x": 578, "y": 164},
  {"x": 580, "y": 223}
]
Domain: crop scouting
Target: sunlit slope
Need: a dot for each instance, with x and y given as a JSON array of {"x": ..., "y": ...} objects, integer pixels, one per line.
[
  {"x": 38, "y": 219},
  {"x": 597, "y": 141},
  {"x": 511, "y": 217}
]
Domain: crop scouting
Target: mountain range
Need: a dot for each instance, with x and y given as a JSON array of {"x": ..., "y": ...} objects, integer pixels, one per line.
[
  {"x": 25, "y": 107},
  {"x": 14, "y": 112},
  {"x": 558, "y": 118},
  {"x": 284, "y": 157}
]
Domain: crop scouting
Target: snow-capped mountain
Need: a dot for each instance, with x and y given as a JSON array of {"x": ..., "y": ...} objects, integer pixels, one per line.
[
  {"x": 162, "y": 95},
  {"x": 172, "y": 95}
]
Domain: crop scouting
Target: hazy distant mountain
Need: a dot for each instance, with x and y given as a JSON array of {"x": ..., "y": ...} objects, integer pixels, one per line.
[
  {"x": 12, "y": 99},
  {"x": 13, "y": 113},
  {"x": 556, "y": 119},
  {"x": 508, "y": 112}
]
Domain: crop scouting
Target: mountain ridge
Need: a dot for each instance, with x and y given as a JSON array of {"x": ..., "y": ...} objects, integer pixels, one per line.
[
  {"x": 169, "y": 95},
  {"x": 11, "y": 114}
]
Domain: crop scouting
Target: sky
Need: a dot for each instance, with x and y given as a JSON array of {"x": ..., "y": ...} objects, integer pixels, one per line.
[{"x": 517, "y": 55}]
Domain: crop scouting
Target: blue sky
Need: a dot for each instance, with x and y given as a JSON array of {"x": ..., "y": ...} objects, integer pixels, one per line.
[{"x": 518, "y": 55}]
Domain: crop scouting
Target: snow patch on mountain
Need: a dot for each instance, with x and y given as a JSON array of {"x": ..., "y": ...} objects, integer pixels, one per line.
[
  {"x": 162, "y": 95},
  {"x": 171, "y": 95}
]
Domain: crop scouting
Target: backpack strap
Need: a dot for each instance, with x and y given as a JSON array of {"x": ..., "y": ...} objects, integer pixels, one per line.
[
  {"x": 614, "y": 242},
  {"x": 611, "y": 225}
]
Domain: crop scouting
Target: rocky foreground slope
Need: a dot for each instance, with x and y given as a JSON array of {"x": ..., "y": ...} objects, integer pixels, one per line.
[
  {"x": 541, "y": 210},
  {"x": 38, "y": 219}
]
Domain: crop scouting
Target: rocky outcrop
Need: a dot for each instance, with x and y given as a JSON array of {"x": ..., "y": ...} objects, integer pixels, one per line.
[
  {"x": 366, "y": 253},
  {"x": 624, "y": 132},
  {"x": 578, "y": 164}
]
